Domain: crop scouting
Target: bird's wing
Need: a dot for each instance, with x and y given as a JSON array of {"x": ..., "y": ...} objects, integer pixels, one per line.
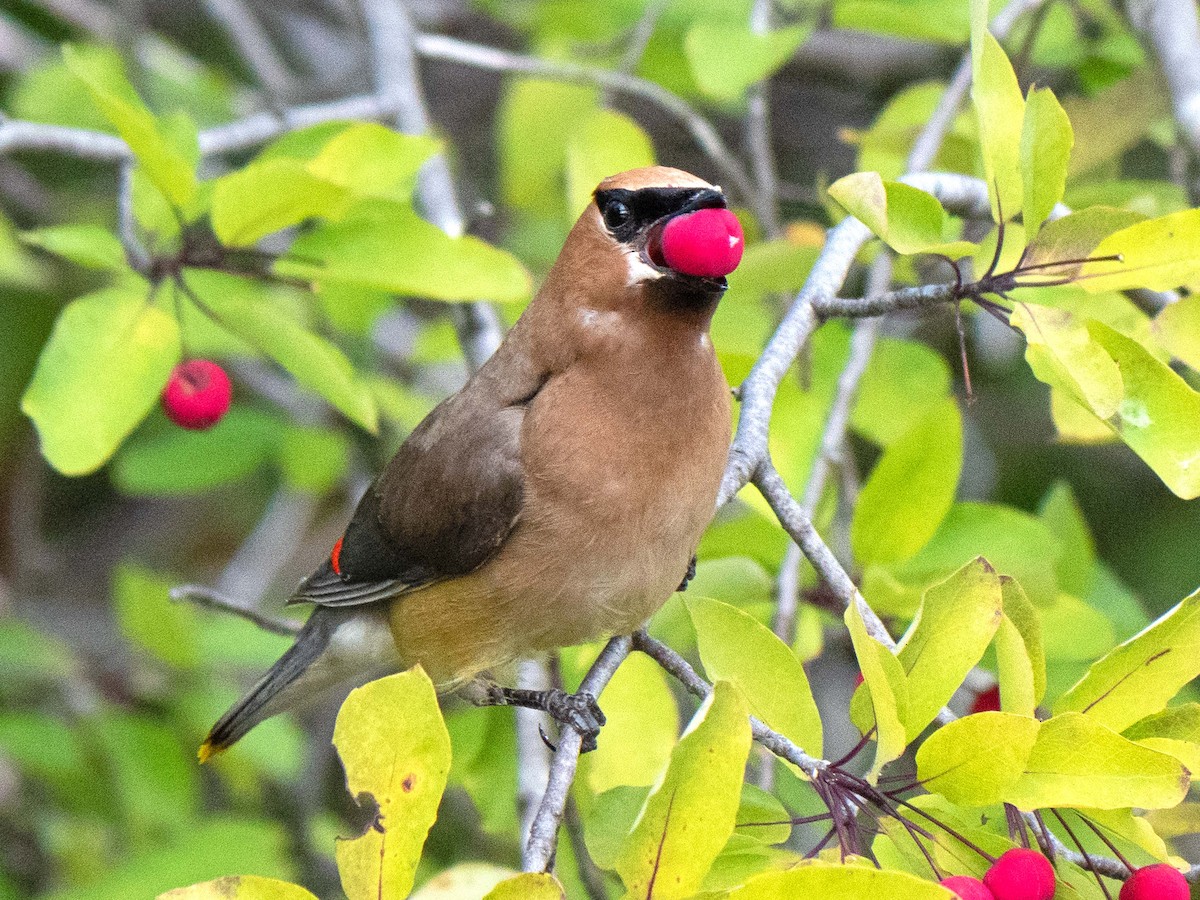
[{"x": 445, "y": 504}]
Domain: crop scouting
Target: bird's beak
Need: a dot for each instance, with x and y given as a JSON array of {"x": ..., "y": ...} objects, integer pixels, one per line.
[{"x": 651, "y": 244}]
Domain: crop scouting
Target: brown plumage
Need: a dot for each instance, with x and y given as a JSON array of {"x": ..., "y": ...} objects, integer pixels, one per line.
[{"x": 558, "y": 497}]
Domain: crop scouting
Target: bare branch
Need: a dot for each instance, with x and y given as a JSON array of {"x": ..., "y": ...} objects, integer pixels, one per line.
[
  {"x": 207, "y": 597},
  {"x": 1171, "y": 26},
  {"x": 543, "y": 833},
  {"x": 393, "y": 42},
  {"x": 642, "y": 32},
  {"x": 481, "y": 57},
  {"x": 758, "y": 134},
  {"x": 246, "y": 33}
]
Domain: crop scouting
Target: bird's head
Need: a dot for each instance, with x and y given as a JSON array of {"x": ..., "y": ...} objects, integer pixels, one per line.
[
  {"x": 662, "y": 233},
  {"x": 671, "y": 227}
]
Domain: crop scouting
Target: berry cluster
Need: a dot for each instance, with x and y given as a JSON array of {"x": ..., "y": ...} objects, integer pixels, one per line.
[{"x": 1021, "y": 874}]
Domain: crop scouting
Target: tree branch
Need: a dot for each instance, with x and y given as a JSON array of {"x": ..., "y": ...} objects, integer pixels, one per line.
[
  {"x": 543, "y": 833},
  {"x": 253, "y": 45},
  {"x": 207, "y": 597},
  {"x": 1172, "y": 28}
]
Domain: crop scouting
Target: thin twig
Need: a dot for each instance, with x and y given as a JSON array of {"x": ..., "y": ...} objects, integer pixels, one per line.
[
  {"x": 207, "y": 597},
  {"x": 538, "y": 855},
  {"x": 642, "y": 32},
  {"x": 758, "y": 134},
  {"x": 254, "y": 46}
]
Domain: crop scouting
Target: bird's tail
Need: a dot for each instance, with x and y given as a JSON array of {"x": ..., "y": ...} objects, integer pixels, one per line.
[{"x": 295, "y": 676}]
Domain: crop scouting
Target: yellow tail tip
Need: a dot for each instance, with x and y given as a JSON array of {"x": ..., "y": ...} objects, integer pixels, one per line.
[{"x": 207, "y": 751}]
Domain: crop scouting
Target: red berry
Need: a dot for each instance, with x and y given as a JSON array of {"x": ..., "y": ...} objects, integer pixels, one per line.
[
  {"x": 1021, "y": 874},
  {"x": 987, "y": 700},
  {"x": 1157, "y": 882},
  {"x": 197, "y": 394},
  {"x": 707, "y": 242},
  {"x": 858, "y": 678},
  {"x": 967, "y": 888}
]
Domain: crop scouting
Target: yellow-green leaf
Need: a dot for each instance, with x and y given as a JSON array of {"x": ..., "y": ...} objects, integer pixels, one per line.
[
  {"x": 952, "y": 629},
  {"x": 89, "y": 246},
  {"x": 370, "y": 160},
  {"x": 1178, "y": 329},
  {"x": 1000, "y": 111},
  {"x": 828, "y": 881},
  {"x": 385, "y": 245},
  {"x": 1077, "y": 761},
  {"x": 604, "y": 143},
  {"x": 885, "y": 684},
  {"x": 905, "y": 218},
  {"x": 240, "y": 887},
  {"x": 1157, "y": 253},
  {"x": 691, "y": 813},
  {"x": 264, "y": 197},
  {"x": 1140, "y": 675},
  {"x": 99, "y": 375},
  {"x": 735, "y": 647},
  {"x": 530, "y": 886},
  {"x": 1046, "y": 140},
  {"x": 396, "y": 753},
  {"x": 169, "y": 169},
  {"x": 1020, "y": 655},
  {"x": 726, "y": 61},
  {"x": 1061, "y": 246},
  {"x": 910, "y": 490},
  {"x": 1062, "y": 353},
  {"x": 975, "y": 760}
]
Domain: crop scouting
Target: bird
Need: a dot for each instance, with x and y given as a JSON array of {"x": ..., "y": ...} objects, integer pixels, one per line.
[{"x": 560, "y": 495}]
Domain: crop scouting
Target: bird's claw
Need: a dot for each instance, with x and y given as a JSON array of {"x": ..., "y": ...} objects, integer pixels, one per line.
[{"x": 580, "y": 711}]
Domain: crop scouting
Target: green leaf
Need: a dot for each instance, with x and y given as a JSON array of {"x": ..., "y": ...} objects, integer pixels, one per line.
[
  {"x": 1139, "y": 676},
  {"x": 1000, "y": 112},
  {"x": 609, "y": 822},
  {"x": 207, "y": 849},
  {"x": 1076, "y": 566},
  {"x": 175, "y": 461},
  {"x": 814, "y": 878},
  {"x": 1159, "y": 416},
  {"x": 365, "y": 249},
  {"x": 1182, "y": 723},
  {"x": 529, "y": 886},
  {"x": 246, "y": 308},
  {"x": 904, "y": 380},
  {"x": 884, "y": 680},
  {"x": 150, "y": 619},
  {"x": 690, "y": 815},
  {"x": 1070, "y": 240},
  {"x": 396, "y": 753},
  {"x": 1020, "y": 655},
  {"x": 726, "y": 61},
  {"x": 265, "y": 197},
  {"x": 171, "y": 171},
  {"x": 240, "y": 887},
  {"x": 99, "y": 375},
  {"x": 952, "y": 629},
  {"x": 603, "y": 143},
  {"x": 314, "y": 459},
  {"x": 1177, "y": 328},
  {"x": 910, "y": 490},
  {"x": 905, "y": 218},
  {"x": 735, "y": 647},
  {"x": 373, "y": 161},
  {"x": 976, "y": 760},
  {"x": 642, "y": 727},
  {"x": 1046, "y": 140},
  {"x": 89, "y": 246},
  {"x": 1062, "y": 353},
  {"x": 1157, "y": 253},
  {"x": 1077, "y": 761}
]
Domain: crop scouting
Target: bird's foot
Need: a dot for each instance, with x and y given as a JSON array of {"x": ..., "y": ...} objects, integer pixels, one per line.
[{"x": 580, "y": 711}]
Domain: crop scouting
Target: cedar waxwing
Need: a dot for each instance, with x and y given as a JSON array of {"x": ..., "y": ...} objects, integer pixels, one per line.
[{"x": 560, "y": 495}]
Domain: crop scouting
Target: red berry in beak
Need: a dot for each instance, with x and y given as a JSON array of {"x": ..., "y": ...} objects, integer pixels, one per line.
[
  {"x": 1021, "y": 874},
  {"x": 197, "y": 394},
  {"x": 967, "y": 888},
  {"x": 707, "y": 243},
  {"x": 1157, "y": 882}
]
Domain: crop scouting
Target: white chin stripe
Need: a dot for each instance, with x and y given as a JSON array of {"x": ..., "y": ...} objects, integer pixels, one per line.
[{"x": 639, "y": 271}]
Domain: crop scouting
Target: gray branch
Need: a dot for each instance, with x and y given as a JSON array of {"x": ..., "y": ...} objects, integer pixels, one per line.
[
  {"x": 1172, "y": 28},
  {"x": 207, "y": 597},
  {"x": 246, "y": 33},
  {"x": 538, "y": 855}
]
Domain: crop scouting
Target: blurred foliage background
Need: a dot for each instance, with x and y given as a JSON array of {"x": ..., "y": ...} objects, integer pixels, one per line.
[{"x": 107, "y": 686}]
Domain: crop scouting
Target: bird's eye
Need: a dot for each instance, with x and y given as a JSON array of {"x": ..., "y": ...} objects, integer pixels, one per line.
[{"x": 616, "y": 214}]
